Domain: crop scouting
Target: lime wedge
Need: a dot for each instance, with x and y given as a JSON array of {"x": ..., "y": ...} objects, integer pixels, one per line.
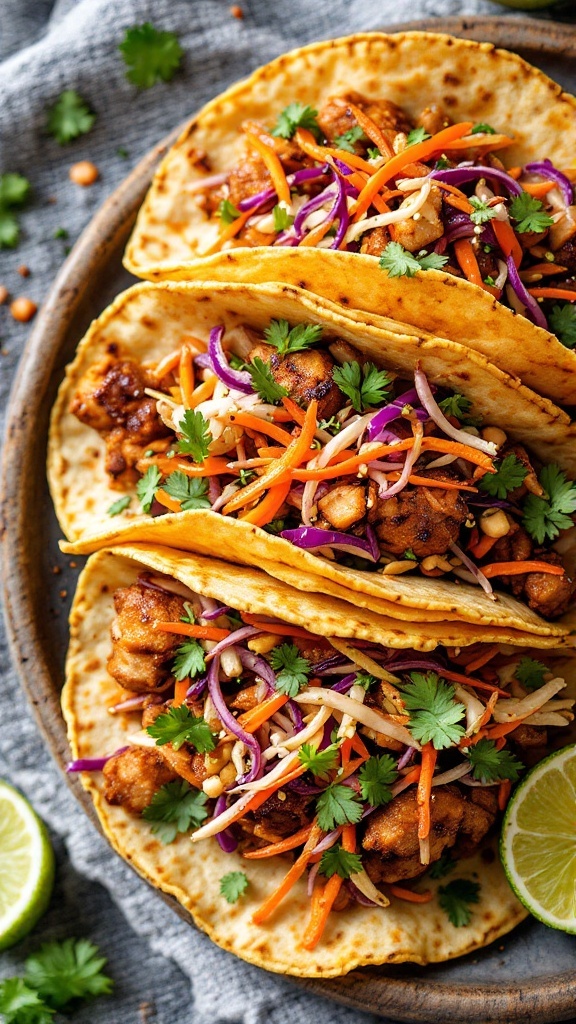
[
  {"x": 26, "y": 867},
  {"x": 538, "y": 843}
]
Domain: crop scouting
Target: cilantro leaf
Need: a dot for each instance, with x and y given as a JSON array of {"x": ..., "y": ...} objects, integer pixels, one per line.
[
  {"x": 337, "y": 861},
  {"x": 233, "y": 886},
  {"x": 189, "y": 660},
  {"x": 319, "y": 762},
  {"x": 264, "y": 382},
  {"x": 483, "y": 129},
  {"x": 275, "y": 527},
  {"x": 373, "y": 153},
  {"x": 62, "y": 971},
  {"x": 434, "y": 713},
  {"x": 119, "y": 506},
  {"x": 196, "y": 437},
  {"x": 455, "y": 898},
  {"x": 296, "y": 115},
  {"x": 20, "y": 1004},
  {"x": 490, "y": 280},
  {"x": 492, "y": 765},
  {"x": 482, "y": 212},
  {"x": 409, "y": 555},
  {"x": 364, "y": 386},
  {"x": 401, "y": 263},
  {"x": 70, "y": 117},
  {"x": 531, "y": 673},
  {"x": 376, "y": 776},
  {"x": 455, "y": 405},
  {"x": 442, "y": 867},
  {"x": 545, "y": 517},
  {"x": 9, "y": 230},
  {"x": 191, "y": 492},
  {"x": 338, "y": 805},
  {"x": 150, "y": 54},
  {"x": 296, "y": 340},
  {"x": 175, "y": 807},
  {"x": 562, "y": 321},
  {"x": 178, "y": 726},
  {"x": 529, "y": 214},
  {"x": 227, "y": 211},
  {"x": 508, "y": 476},
  {"x": 14, "y": 189},
  {"x": 147, "y": 486},
  {"x": 365, "y": 679},
  {"x": 347, "y": 139},
  {"x": 293, "y": 670},
  {"x": 282, "y": 219},
  {"x": 417, "y": 135},
  {"x": 441, "y": 163}
]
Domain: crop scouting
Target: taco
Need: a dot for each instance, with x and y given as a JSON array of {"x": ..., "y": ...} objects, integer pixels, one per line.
[
  {"x": 316, "y": 798},
  {"x": 398, "y": 483},
  {"x": 394, "y": 147}
]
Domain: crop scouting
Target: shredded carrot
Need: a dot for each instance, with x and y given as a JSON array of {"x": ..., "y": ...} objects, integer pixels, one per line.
[
  {"x": 553, "y": 293},
  {"x": 247, "y": 419},
  {"x": 467, "y": 261},
  {"x": 515, "y": 172},
  {"x": 455, "y": 192},
  {"x": 252, "y": 720},
  {"x": 480, "y": 660},
  {"x": 424, "y": 793},
  {"x": 229, "y": 231},
  {"x": 427, "y": 481},
  {"x": 479, "y": 684},
  {"x": 186, "y": 376},
  {"x": 412, "y": 776},
  {"x": 317, "y": 233},
  {"x": 282, "y": 628},
  {"x": 212, "y": 466},
  {"x": 504, "y": 793},
  {"x": 296, "y": 871},
  {"x": 264, "y": 512},
  {"x": 497, "y": 732},
  {"x": 493, "y": 142},
  {"x": 516, "y": 568},
  {"x": 507, "y": 240},
  {"x": 323, "y": 898},
  {"x": 489, "y": 709},
  {"x": 544, "y": 269},
  {"x": 293, "y": 409},
  {"x": 193, "y": 629},
  {"x": 281, "y": 416},
  {"x": 282, "y": 468},
  {"x": 484, "y": 545},
  {"x": 180, "y": 691},
  {"x": 359, "y": 747},
  {"x": 460, "y": 204},
  {"x": 410, "y": 896},
  {"x": 274, "y": 167},
  {"x": 203, "y": 391},
  {"x": 538, "y": 188},
  {"x": 435, "y": 444},
  {"x": 308, "y": 144},
  {"x": 173, "y": 504},
  {"x": 282, "y": 847},
  {"x": 371, "y": 129},
  {"x": 166, "y": 365},
  {"x": 420, "y": 151}
]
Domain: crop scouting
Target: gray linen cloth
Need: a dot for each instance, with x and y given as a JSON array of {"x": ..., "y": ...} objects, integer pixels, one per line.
[{"x": 165, "y": 971}]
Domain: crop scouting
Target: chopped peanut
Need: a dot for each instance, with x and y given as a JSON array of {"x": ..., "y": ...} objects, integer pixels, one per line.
[
  {"x": 494, "y": 434},
  {"x": 494, "y": 523},
  {"x": 84, "y": 173}
]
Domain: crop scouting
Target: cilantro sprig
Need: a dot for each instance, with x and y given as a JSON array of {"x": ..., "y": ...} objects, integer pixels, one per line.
[
  {"x": 150, "y": 55},
  {"x": 262, "y": 379},
  {"x": 227, "y": 211},
  {"x": 70, "y": 117},
  {"x": 14, "y": 191},
  {"x": 562, "y": 321},
  {"x": 20, "y": 1004},
  {"x": 292, "y": 669},
  {"x": 376, "y": 777},
  {"x": 178, "y": 725},
  {"x": 294, "y": 339},
  {"x": 191, "y": 492},
  {"x": 57, "y": 974},
  {"x": 319, "y": 762},
  {"x": 365, "y": 386},
  {"x": 483, "y": 129},
  {"x": 531, "y": 673},
  {"x": 175, "y": 808},
  {"x": 337, "y": 861},
  {"x": 492, "y": 765},
  {"x": 282, "y": 219},
  {"x": 456, "y": 899},
  {"x": 434, "y": 713},
  {"x": 296, "y": 115},
  {"x": 347, "y": 139},
  {"x": 147, "y": 486},
  {"x": 529, "y": 214},
  {"x": 442, "y": 867},
  {"x": 189, "y": 660},
  {"x": 545, "y": 517},
  {"x": 119, "y": 506},
  {"x": 417, "y": 135},
  {"x": 509, "y": 474},
  {"x": 233, "y": 886},
  {"x": 456, "y": 405},
  {"x": 338, "y": 805},
  {"x": 196, "y": 437},
  {"x": 399, "y": 262},
  {"x": 482, "y": 212}
]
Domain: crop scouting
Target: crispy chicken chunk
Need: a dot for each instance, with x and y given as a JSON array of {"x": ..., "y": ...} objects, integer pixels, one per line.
[
  {"x": 141, "y": 655},
  {"x": 416, "y": 232},
  {"x": 549, "y": 595},
  {"x": 248, "y": 178},
  {"x": 282, "y": 814},
  {"x": 306, "y": 375},
  {"x": 335, "y": 118},
  {"x": 132, "y": 778},
  {"x": 344, "y": 505},
  {"x": 186, "y": 762},
  {"x": 424, "y": 519},
  {"x": 433, "y": 119}
]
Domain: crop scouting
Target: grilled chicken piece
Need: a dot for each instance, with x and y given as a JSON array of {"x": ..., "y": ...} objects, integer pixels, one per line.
[
  {"x": 305, "y": 375},
  {"x": 344, "y": 505},
  {"x": 530, "y": 482},
  {"x": 549, "y": 595},
  {"x": 392, "y": 832},
  {"x": 516, "y": 546},
  {"x": 186, "y": 762},
  {"x": 433, "y": 119},
  {"x": 374, "y": 242},
  {"x": 530, "y": 743},
  {"x": 424, "y": 519},
  {"x": 282, "y": 814},
  {"x": 335, "y": 118},
  {"x": 246, "y": 699},
  {"x": 132, "y": 778},
  {"x": 414, "y": 234},
  {"x": 565, "y": 256},
  {"x": 248, "y": 178},
  {"x": 141, "y": 655}
]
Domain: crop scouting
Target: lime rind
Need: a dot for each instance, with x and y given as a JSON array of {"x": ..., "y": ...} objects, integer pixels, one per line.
[
  {"x": 538, "y": 841},
  {"x": 26, "y": 867}
]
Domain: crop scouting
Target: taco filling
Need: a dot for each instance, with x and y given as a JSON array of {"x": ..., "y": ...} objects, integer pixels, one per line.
[
  {"x": 361, "y": 175},
  {"x": 367, "y": 766},
  {"x": 315, "y": 443}
]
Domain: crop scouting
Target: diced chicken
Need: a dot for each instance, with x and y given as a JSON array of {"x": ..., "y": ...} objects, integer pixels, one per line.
[
  {"x": 186, "y": 762},
  {"x": 549, "y": 595},
  {"x": 282, "y": 814},
  {"x": 335, "y": 118},
  {"x": 306, "y": 375},
  {"x": 433, "y": 119},
  {"x": 343, "y": 352},
  {"x": 248, "y": 178},
  {"x": 132, "y": 778},
  {"x": 530, "y": 482},
  {"x": 565, "y": 256},
  {"x": 516, "y": 546},
  {"x": 344, "y": 505},
  {"x": 563, "y": 230},
  {"x": 245, "y": 699},
  {"x": 141, "y": 655},
  {"x": 424, "y": 519},
  {"x": 424, "y": 227},
  {"x": 374, "y": 242}
]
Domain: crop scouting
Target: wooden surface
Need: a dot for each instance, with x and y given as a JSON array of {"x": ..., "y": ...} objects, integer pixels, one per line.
[{"x": 527, "y": 977}]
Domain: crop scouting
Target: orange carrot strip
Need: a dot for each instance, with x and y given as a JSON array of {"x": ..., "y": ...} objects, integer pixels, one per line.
[
  {"x": 166, "y": 365},
  {"x": 282, "y": 628},
  {"x": 345, "y": 750},
  {"x": 265, "y": 511},
  {"x": 186, "y": 376},
  {"x": 507, "y": 240},
  {"x": 228, "y": 232},
  {"x": 497, "y": 732},
  {"x": 515, "y": 172},
  {"x": 455, "y": 192},
  {"x": 359, "y": 747},
  {"x": 538, "y": 188},
  {"x": 294, "y": 410},
  {"x": 412, "y": 776},
  {"x": 274, "y": 167},
  {"x": 426, "y": 481},
  {"x": 170, "y": 503},
  {"x": 424, "y": 793},
  {"x": 317, "y": 234},
  {"x": 420, "y": 151},
  {"x": 180, "y": 691},
  {"x": 504, "y": 793},
  {"x": 296, "y": 871},
  {"x": 212, "y": 466},
  {"x": 307, "y": 142},
  {"x": 371, "y": 129},
  {"x": 545, "y": 269},
  {"x": 322, "y": 903},
  {"x": 460, "y": 204},
  {"x": 435, "y": 444},
  {"x": 281, "y": 416},
  {"x": 474, "y": 142},
  {"x": 516, "y": 568},
  {"x": 410, "y": 896},
  {"x": 478, "y": 662},
  {"x": 479, "y": 684},
  {"x": 553, "y": 293},
  {"x": 283, "y": 467},
  {"x": 193, "y": 629},
  {"x": 484, "y": 545},
  {"x": 489, "y": 709},
  {"x": 203, "y": 392},
  {"x": 467, "y": 261},
  {"x": 247, "y": 419},
  {"x": 252, "y": 720},
  {"x": 282, "y": 847}
]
